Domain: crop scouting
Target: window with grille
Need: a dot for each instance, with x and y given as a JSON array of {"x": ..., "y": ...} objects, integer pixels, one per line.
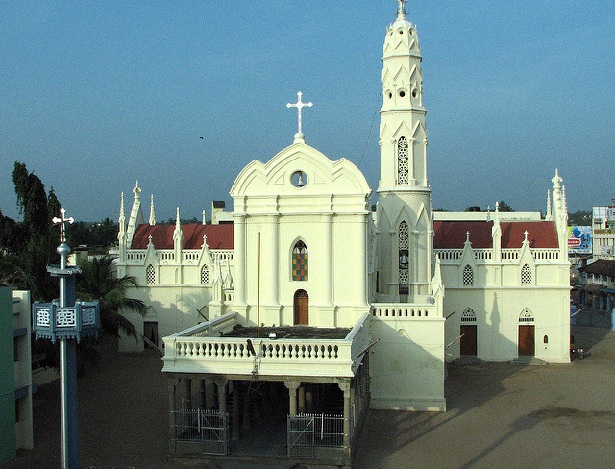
[
  {"x": 403, "y": 258},
  {"x": 150, "y": 275},
  {"x": 526, "y": 316},
  {"x": 468, "y": 315},
  {"x": 402, "y": 161},
  {"x": 300, "y": 262},
  {"x": 468, "y": 275},
  {"x": 526, "y": 275},
  {"x": 205, "y": 274}
]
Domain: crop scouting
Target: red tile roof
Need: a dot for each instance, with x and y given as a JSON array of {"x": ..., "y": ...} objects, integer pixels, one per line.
[
  {"x": 218, "y": 236},
  {"x": 452, "y": 234}
]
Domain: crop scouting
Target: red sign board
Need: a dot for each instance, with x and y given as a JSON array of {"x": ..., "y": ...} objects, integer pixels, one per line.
[{"x": 573, "y": 242}]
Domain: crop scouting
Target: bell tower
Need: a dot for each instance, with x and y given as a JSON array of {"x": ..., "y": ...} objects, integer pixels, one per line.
[{"x": 404, "y": 208}]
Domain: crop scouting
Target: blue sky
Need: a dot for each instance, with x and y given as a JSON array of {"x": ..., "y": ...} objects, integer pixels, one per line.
[{"x": 95, "y": 95}]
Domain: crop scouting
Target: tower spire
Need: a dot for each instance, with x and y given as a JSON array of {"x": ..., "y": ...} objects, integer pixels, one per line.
[{"x": 152, "y": 211}]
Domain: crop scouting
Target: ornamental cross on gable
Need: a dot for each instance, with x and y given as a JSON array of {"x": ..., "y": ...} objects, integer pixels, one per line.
[
  {"x": 61, "y": 221},
  {"x": 299, "y": 105}
]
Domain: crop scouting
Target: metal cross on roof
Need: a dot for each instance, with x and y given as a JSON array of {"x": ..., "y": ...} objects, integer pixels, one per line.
[
  {"x": 299, "y": 105},
  {"x": 61, "y": 221}
]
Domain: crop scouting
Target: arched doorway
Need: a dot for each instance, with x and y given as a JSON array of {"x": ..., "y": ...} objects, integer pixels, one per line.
[
  {"x": 468, "y": 331},
  {"x": 300, "y": 307},
  {"x": 526, "y": 334}
]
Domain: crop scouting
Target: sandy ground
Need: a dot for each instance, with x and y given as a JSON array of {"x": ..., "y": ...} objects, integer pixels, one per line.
[{"x": 499, "y": 415}]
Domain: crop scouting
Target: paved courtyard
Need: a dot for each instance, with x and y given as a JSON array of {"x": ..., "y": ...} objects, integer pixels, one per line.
[{"x": 499, "y": 415}]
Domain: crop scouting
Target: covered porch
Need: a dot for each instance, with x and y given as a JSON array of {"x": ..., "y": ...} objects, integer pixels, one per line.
[{"x": 287, "y": 392}]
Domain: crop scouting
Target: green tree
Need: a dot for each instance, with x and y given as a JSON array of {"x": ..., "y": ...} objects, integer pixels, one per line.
[
  {"x": 98, "y": 281},
  {"x": 504, "y": 207},
  {"x": 27, "y": 247},
  {"x": 580, "y": 218}
]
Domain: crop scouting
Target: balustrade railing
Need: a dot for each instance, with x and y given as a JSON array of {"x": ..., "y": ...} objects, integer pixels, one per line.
[
  {"x": 400, "y": 311},
  {"x": 189, "y": 256},
  {"x": 453, "y": 256},
  {"x": 203, "y": 343}
]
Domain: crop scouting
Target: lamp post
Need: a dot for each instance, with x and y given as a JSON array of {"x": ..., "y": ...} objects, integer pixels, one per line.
[{"x": 68, "y": 320}]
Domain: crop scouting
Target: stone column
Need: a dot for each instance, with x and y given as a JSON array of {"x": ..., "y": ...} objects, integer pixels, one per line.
[
  {"x": 172, "y": 390},
  {"x": 246, "y": 411},
  {"x": 292, "y": 396},
  {"x": 221, "y": 387},
  {"x": 327, "y": 294},
  {"x": 236, "y": 398},
  {"x": 188, "y": 395},
  {"x": 301, "y": 402},
  {"x": 202, "y": 394},
  {"x": 309, "y": 400},
  {"x": 239, "y": 258},
  {"x": 345, "y": 387}
]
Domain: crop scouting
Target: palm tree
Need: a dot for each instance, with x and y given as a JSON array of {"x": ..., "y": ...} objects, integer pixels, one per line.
[{"x": 98, "y": 281}]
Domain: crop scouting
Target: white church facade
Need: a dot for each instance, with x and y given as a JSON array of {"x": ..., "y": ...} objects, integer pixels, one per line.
[{"x": 313, "y": 303}]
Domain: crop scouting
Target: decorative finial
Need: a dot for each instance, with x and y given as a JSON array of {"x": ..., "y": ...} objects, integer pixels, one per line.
[
  {"x": 61, "y": 221},
  {"x": 401, "y": 9},
  {"x": 137, "y": 190},
  {"x": 299, "y": 105}
]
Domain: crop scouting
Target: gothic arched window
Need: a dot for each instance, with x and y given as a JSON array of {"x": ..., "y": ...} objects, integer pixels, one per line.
[
  {"x": 205, "y": 274},
  {"x": 402, "y": 161},
  {"x": 403, "y": 257},
  {"x": 526, "y": 275},
  {"x": 468, "y": 275},
  {"x": 300, "y": 262},
  {"x": 150, "y": 275},
  {"x": 468, "y": 315}
]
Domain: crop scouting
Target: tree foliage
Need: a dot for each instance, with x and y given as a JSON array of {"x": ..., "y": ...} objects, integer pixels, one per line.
[
  {"x": 102, "y": 234},
  {"x": 504, "y": 207},
  {"x": 27, "y": 247},
  {"x": 580, "y": 218}
]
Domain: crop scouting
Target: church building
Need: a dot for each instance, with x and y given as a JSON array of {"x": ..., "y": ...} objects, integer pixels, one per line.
[{"x": 310, "y": 307}]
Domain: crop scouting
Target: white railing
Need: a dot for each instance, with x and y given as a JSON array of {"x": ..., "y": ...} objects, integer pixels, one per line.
[
  {"x": 189, "y": 256},
  {"x": 483, "y": 254},
  {"x": 134, "y": 255},
  {"x": 165, "y": 256},
  {"x": 448, "y": 254},
  {"x": 222, "y": 255},
  {"x": 201, "y": 349},
  {"x": 453, "y": 256},
  {"x": 401, "y": 311},
  {"x": 545, "y": 254}
]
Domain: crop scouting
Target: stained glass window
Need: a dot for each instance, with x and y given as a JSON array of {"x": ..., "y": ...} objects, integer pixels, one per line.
[{"x": 300, "y": 262}]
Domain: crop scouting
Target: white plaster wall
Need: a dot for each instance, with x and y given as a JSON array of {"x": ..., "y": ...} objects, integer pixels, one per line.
[
  {"x": 497, "y": 312},
  {"x": 407, "y": 364}
]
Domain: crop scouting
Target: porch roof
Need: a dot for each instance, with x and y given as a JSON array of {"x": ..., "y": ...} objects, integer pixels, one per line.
[{"x": 290, "y": 332}]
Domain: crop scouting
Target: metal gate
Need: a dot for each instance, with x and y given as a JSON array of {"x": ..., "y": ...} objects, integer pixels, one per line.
[
  {"x": 208, "y": 426},
  {"x": 306, "y": 432}
]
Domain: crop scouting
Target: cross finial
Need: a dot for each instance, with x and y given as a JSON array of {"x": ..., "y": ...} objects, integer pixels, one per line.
[
  {"x": 60, "y": 221},
  {"x": 299, "y": 105}
]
